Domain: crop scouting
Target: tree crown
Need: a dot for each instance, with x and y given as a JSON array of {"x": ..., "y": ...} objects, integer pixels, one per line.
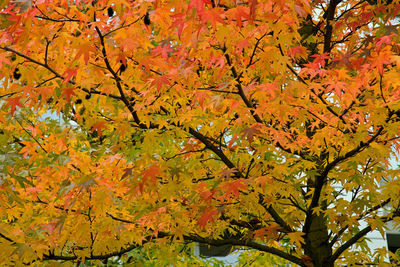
[{"x": 258, "y": 124}]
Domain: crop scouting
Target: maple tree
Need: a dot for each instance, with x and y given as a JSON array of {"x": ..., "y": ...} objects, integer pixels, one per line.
[{"x": 266, "y": 125}]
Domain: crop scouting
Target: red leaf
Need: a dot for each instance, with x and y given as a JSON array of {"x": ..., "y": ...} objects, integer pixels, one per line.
[
  {"x": 320, "y": 59},
  {"x": 384, "y": 40},
  {"x": 216, "y": 61},
  {"x": 205, "y": 193},
  {"x": 98, "y": 126},
  {"x": 297, "y": 51},
  {"x": 207, "y": 217},
  {"x": 159, "y": 81},
  {"x": 300, "y": 11},
  {"x": 9, "y": 10},
  {"x": 212, "y": 16},
  {"x": 233, "y": 188},
  {"x": 69, "y": 74},
  {"x": 162, "y": 50},
  {"x": 380, "y": 61},
  {"x": 198, "y": 4},
  {"x": 68, "y": 92},
  {"x": 178, "y": 21},
  {"x": 234, "y": 138},
  {"x": 241, "y": 13}
]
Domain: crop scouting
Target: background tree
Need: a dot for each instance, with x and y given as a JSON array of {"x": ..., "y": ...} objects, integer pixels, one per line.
[{"x": 266, "y": 125}]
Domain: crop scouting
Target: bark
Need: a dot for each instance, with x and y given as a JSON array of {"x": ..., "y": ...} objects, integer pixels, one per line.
[{"x": 317, "y": 242}]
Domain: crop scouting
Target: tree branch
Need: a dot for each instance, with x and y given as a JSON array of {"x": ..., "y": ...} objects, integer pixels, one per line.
[
  {"x": 247, "y": 243},
  {"x": 240, "y": 88},
  {"x": 349, "y": 243},
  {"x": 320, "y": 179},
  {"x": 339, "y": 234}
]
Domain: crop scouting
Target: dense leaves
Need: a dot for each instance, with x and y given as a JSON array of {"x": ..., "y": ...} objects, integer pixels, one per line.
[{"x": 133, "y": 129}]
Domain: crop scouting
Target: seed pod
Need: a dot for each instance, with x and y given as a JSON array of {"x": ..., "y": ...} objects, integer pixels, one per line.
[
  {"x": 146, "y": 19},
  {"x": 110, "y": 12},
  {"x": 78, "y": 101},
  {"x": 122, "y": 68},
  {"x": 88, "y": 96},
  {"x": 16, "y": 74}
]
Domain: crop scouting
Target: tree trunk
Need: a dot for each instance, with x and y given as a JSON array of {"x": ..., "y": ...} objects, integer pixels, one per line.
[{"x": 317, "y": 242}]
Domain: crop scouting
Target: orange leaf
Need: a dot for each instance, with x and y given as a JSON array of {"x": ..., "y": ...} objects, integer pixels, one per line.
[
  {"x": 13, "y": 102},
  {"x": 151, "y": 173},
  {"x": 98, "y": 126},
  {"x": 69, "y": 74},
  {"x": 253, "y": 5}
]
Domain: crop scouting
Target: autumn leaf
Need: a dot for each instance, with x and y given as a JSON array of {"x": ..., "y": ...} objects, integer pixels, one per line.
[
  {"x": 251, "y": 132},
  {"x": 84, "y": 50},
  {"x": 205, "y": 193},
  {"x": 384, "y": 40},
  {"x": 4, "y": 3},
  {"x": 151, "y": 173},
  {"x": 307, "y": 261},
  {"x": 297, "y": 52},
  {"x": 240, "y": 14},
  {"x": 68, "y": 92},
  {"x": 179, "y": 22},
  {"x": 299, "y": 10},
  {"x": 233, "y": 188},
  {"x": 99, "y": 126},
  {"x": 162, "y": 51},
  {"x": 35, "y": 130},
  {"x": 296, "y": 238},
  {"x": 259, "y": 125},
  {"x": 160, "y": 81},
  {"x": 253, "y": 5},
  {"x": 212, "y": 16},
  {"x": 200, "y": 97},
  {"x": 198, "y": 4},
  {"x": 380, "y": 61},
  {"x": 242, "y": 44},
  {"x": 226, "y": 174},
  {"x": 207, "y": 217},
  {"x": 127, "y": 173},
  {"x": 13, "y": 102},
  {"x": 4, "y": 60},
  {"x": 267, "y": 233},
  {"x": 69, "y": 74}
]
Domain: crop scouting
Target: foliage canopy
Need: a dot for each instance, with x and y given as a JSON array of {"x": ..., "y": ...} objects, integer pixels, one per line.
[{"x": 260, "y": 124}]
